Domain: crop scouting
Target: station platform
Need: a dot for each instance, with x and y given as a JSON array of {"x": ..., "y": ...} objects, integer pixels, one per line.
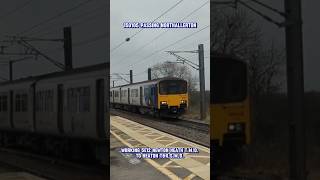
[
  {"x": 19, "y": 176},
  {"x": 10, "y": 173},
  {"x": 126, "y": 133}
]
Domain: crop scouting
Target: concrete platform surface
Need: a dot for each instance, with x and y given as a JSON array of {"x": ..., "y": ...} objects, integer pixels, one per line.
[
  {"x": 126, "y": 133},
  {"x": 19, "y": 176}
]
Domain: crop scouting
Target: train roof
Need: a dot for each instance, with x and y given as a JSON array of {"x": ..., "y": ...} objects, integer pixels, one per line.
[
  {"x": 218, "y": 56},
  {"x": 79, "y": 70},
  {"x": 147, "y": 81}
]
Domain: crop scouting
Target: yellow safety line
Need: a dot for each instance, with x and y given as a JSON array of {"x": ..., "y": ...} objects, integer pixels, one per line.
[
  {"x": 160, "y": 140},
  {"x": 148, "y": 134},
  {"x": 192, "y": 175},
  {"x": 192, "y": 165},
  {"x": 175, "y": 166},
  {"x": 189, "y": 177},
  {"x": 167, "y": 163},
  {"x": 158, "y": 137},
  {"x": 163, "y": 170},
  {"x": 144, "y": 130},
  {"x": 171, "y": 143}
]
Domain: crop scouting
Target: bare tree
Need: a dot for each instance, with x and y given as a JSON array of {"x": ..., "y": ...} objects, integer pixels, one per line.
[
  {"x": 235, "y": 34},
  {"x": 266, "y": 71},
  {"x": 169, "y": 69}
]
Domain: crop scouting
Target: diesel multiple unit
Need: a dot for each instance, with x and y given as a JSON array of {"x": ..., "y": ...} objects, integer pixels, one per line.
[
  {"x": 165, "y": 96},
  {"x": 230, "y": 110}
]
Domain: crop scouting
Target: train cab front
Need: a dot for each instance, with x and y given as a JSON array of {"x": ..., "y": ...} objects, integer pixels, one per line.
[
  {"x": 172, "y": 97},
  {"x": 230, "y": 124},
  {"x": 230, "y": 108}
]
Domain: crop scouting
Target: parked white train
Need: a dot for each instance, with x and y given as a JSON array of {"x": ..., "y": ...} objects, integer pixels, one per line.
[{"x": 68, "y": 106}]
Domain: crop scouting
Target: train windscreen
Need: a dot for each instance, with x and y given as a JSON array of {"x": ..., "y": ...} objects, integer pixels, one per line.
[
  {"x": 229, "y": 81},
  {"x": 172, "y": 87}
]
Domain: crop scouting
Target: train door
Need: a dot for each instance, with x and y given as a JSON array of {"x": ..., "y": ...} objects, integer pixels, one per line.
[
  {"x": 120, "y": 95},
  {"x": 11, "y": 109},
  {"x": 155, "y": 90},
  {"x": 60, "y": 107},
  {"x": 33, "y": 96},
  {"x": 153, "y": 94},
  {"x": 112, "y": 96},
  {"x": 141, "y": 96},
  {"x": 128, "y": 95},
  {"x": 101, "y": 126}
]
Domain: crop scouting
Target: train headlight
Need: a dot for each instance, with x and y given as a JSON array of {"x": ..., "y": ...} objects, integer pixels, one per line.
[
  {"x": 163, "y": 102},
  {"x": 231, "y": 127},
  {"x": 183, "y": 102},
  {"x": 236, "y": 127}
]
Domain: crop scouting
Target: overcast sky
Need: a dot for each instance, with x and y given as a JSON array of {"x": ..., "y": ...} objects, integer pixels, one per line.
[
  {"x": 89, "y": 28},
  {"x": 311, "y": 29},
  {"x": 128, "y": 56}
]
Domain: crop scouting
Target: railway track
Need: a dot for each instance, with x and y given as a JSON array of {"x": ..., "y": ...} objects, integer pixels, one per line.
[
  {"x": 51, "y": 168},
  {"x": 200, "y": 126},
  {"x": 193, "y": 131}
]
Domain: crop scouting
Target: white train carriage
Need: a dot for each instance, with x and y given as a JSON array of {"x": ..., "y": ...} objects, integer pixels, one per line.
[
  {"x": 62, "y": 111},
  {"x": 70, "y": 103}
]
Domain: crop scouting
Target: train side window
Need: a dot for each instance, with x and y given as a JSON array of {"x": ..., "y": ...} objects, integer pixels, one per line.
[
  {"x": 24, "y": 102},
  {"x": 45, "y": 95},
  {"x": 44, "y": 101},
  {"x": 72, "y": 100},
  {"x": 41, "y": 106},
  {"x": 0, "y": 103},
  {"x": 21, "y": 101},
  {"x": 146, "y": 91},
  {"x": 17, "y": 102},
  {"x": 49, "y": 101},
  {"x": 3, "y": 103},
  {"x": 84, "y": 99},
  {"x": 69, "y": 99},
  {"x": 37, "y": 101},
  {"x": 134, "y": 92}
]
